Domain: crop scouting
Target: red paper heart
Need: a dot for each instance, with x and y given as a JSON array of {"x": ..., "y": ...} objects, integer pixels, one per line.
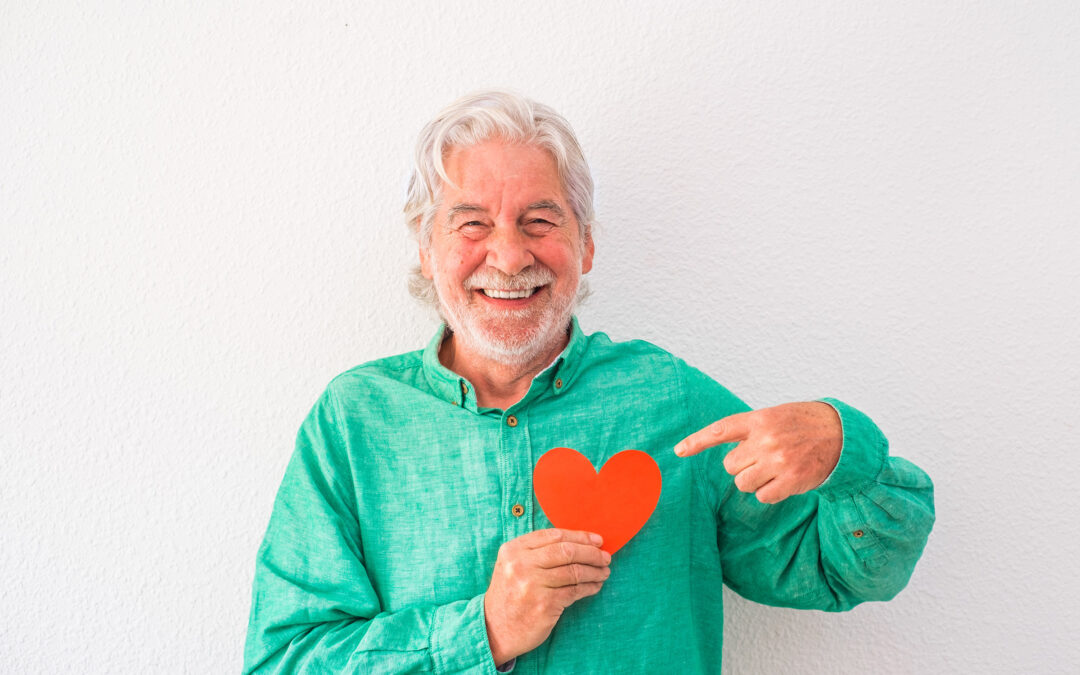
[{"x": 614, "y": 503}]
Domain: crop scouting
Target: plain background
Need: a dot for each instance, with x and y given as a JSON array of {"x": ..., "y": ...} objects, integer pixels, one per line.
[{"x": 201, "y": 226}]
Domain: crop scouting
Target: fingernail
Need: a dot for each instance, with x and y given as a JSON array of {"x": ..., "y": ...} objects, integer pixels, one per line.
[
  {"x": 606, "y": 557},
  {"x": 680, "y": 449},
  {"x": 596, "y": 539}
]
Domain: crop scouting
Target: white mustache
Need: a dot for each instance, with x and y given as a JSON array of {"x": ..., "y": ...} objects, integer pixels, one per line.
[{"x": 529, "y": 277}]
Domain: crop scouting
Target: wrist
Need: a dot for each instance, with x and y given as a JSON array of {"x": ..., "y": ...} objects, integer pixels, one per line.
[
  {"x": 500, "y": 653},
  {"x": 864, "y": 450}
]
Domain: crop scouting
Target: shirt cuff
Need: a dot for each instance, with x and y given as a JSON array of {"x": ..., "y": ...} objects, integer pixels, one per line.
[
  {"x": 459, "y": 642},
  {"x": 862, "y": 455}
]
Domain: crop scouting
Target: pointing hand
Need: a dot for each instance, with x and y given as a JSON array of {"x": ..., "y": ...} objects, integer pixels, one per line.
[{"x": 782, "y": 451}]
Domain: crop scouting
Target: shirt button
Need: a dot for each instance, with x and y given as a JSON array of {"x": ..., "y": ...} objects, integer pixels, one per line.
[
  {"x": 857, "y": 533},
  {"x": 464, "y": 388},
  {"x": 558, "y": 383},
  {"x": 518, "y": 510},
  {"x": 511, "y": 421}
]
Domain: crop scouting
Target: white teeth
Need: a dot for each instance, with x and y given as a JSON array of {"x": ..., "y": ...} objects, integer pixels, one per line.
[{"x": 508, "y": 295}]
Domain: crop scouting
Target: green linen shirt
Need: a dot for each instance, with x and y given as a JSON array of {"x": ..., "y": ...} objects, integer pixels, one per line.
[{"x": 386, "y": 527}]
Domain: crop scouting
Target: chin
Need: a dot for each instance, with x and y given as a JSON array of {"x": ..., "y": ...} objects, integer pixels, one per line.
[
  {"x": 515, "y": 338},
  {"x": 513, "y": 347},
  {"x": 512, "y": 351}
]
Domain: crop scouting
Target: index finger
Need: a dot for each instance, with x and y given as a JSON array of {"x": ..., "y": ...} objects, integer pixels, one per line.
[
  {"x": 727, "y": 430},
  {"x": 555, "y": 535},
  {"x": 565, "y": 553}
]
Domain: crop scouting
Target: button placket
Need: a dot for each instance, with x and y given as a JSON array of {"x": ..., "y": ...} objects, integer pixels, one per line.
[{"x": 517, "y": 458}]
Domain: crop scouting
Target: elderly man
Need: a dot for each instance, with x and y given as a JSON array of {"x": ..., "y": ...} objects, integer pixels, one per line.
[{"x": 406, "y": 536}]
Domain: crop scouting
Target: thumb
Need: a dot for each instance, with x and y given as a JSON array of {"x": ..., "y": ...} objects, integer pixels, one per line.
[{"x": 726, "y": 430}]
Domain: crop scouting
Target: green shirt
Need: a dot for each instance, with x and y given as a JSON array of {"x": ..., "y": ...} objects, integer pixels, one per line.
[{"x": 401, "y": 489}]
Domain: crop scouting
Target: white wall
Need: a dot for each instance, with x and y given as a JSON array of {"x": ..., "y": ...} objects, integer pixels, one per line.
[{"x": 199, "y": 211}]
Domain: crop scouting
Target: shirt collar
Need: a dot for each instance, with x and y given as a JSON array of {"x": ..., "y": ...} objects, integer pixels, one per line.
[{"x": 555, "y": 379}]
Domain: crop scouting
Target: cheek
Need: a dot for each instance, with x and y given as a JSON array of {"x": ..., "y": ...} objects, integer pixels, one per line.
[
  {"x": 564, "y": 260},
  {"x": 457, "y": 263},
  {"x": 468, "y": 259}
]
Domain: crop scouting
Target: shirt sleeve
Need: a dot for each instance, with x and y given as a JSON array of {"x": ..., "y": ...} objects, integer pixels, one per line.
[
  {"x": 314, "y": 608},
  {"x": 853, "y": 539}
]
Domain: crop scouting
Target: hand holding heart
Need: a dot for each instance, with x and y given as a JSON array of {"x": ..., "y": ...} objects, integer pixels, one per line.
[
  {"x": 536, "y": 577},
  {"x": 782, "y": 451},
  {"x": 785, "y": 450}
]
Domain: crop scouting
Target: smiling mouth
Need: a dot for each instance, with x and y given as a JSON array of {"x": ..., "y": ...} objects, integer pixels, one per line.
[{"x": 508, "y": 294}]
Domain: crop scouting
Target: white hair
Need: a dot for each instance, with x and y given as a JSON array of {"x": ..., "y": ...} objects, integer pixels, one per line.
[{"x": 479, "y": 117}]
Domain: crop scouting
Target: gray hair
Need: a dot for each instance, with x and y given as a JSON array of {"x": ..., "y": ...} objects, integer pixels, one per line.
[{"x": 473, "y": 119}]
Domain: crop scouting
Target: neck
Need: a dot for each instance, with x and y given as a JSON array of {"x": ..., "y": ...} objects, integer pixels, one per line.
[{"x": 497, "y": 384}]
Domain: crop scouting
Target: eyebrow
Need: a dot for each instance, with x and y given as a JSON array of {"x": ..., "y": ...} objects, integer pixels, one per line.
[
  {"x": 543, "y": 204},
  {"x": 458, "y": 209},
  {"x": 548, "y": 205}
]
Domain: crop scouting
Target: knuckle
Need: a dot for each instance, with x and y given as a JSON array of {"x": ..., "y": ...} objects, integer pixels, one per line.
[
  {"x": 771, "y": 415},
  {"x": 782, "y": 457},
  {"x": 522, "y": 587},
  {"x": 576, "y": 574},
  {"x": 767, "y": 497},
  {"x": 540, "y": 538},
  {"x": 549, "y": 557},
  {"x": 566, "y": 552}
]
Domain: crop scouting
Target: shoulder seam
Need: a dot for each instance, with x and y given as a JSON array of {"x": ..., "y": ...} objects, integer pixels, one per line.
[
  {"x": 377, "y": 365},
  {"x": 695, "y": 470}
]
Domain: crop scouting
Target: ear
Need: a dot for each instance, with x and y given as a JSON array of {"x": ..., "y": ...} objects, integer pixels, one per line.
[
  {"x": 425, "y": 263},
  {"x": 586, "y": 260}
]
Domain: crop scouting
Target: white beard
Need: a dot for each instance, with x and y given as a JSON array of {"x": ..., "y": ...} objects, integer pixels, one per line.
[{"x": 546, "y": 329}]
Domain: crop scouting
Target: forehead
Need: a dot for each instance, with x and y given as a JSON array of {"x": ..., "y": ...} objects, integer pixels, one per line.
[{"x": 494, "y": 171}]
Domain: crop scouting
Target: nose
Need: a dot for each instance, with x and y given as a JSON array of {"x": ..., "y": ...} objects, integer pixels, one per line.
[{"x": 508, "y": 250}]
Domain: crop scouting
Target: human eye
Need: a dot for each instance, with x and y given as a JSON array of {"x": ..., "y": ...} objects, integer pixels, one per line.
[
  {"x": 538, "y": 225},
  {"x": 473, "y": 229}
]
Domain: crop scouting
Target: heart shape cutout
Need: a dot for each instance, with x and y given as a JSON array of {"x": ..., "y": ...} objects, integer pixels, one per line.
[{"x": 615, "y": 503}]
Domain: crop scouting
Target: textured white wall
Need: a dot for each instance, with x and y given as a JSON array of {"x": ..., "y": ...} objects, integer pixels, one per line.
[{"x": 199, "y": 211}]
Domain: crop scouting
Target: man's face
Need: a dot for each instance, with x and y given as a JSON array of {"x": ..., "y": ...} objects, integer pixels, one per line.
[{"x": 505, "y": 225}]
